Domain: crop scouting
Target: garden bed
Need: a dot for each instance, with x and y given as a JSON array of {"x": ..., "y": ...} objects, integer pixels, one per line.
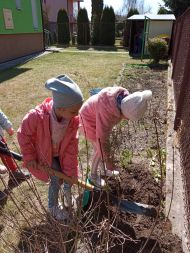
[
  {"x": 141, "y": 154},
  {"x": 139, "y": 149}
]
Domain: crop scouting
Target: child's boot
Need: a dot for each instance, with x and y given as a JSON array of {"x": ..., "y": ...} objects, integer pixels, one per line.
[
  {"x": 58, "y": 213},
  {"x": 3, "y": 169},
  {"x": 67, "y": 196}
]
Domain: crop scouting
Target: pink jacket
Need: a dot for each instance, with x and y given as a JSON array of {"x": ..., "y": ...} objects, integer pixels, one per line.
[
  {"x": 34, "y": 137},
  {"x": 99, "y": 114}
]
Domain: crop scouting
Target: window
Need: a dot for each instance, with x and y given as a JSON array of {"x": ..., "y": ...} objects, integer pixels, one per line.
[
  {"x": 8, "y": 18},
  {"x": 18, "y": 4},
  {"x": 34, "y": 14}
]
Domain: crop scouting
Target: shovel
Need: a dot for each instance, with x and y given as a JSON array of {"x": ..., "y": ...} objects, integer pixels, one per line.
[{"x": 123, "y": 204}]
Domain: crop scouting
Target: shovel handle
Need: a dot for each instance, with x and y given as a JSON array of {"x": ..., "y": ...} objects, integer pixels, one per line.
[
  {"x": 60, "y": 175},
  {"x": 79, "y": 182}
]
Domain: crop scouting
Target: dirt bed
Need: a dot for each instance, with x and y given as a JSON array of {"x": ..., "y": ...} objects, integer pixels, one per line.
[{"x": 142, "y": 156}]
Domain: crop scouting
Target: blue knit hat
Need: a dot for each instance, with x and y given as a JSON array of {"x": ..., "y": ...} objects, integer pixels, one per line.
[{"x": 66, "y": 92}]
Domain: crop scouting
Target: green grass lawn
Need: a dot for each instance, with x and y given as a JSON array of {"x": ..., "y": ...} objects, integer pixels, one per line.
[{"x": 22, "y": 88}]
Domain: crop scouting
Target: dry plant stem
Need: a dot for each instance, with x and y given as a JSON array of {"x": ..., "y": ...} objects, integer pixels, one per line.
[
  {"x": 16, "y": 204},
  {"x": 87, "y": 150},
  {"x": 161, "y": 184},
  {"x": 173, "y": 169},
  {"x": 108, "y": 200},
  {"x": 34, "y": 190},
  {"x": 9, "y": 245}
]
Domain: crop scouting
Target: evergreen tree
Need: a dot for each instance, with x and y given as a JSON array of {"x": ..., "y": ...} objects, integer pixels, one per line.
[
  {"x": 63, "y": 27},
  {"x": 126, "y": 33},
  {"x": 163, "y": 10},
  {"x": 132, "y": 12},
  {"x": 107, "y": 27},
  {"x": 177, "y": 6},
  {"x": 97, "y": 8},
  {"x": 83, "y": 33}
]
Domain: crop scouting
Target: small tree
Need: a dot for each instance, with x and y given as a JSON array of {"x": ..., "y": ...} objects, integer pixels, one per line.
[
  {"x": 107, "y": 27},
  {"x": 177, "y": 6},
  {"x": 132, "y": 12},
  {"x": 163, "y": 10},
  {"x": 83, "y": 33},
  {"x": 63, "y": 27},
  {"x": 126, "y": 32},
  {"x": 97, "y": 8},
  {"x": 157, "y": 48}
]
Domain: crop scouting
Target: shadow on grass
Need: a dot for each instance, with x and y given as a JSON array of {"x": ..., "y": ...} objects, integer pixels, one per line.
[
  {"x": 11, "y": 73},
  {"x": 83, "y": 47},
  {"x": 105, "y": 48}
]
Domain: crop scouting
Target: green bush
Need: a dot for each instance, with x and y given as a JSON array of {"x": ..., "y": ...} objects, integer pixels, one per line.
[
  {"x": 107, "y": 27},
  {"x": 157, "y": 48},
  {"x": 127, "y": 28},
  {"x": 83, "y": 31},
  {"x": 95, "y": 37},
  {"x": 63, "y": 29},
  {"x": 97, "y": 8},
  {"x": 165, "y": 37}
]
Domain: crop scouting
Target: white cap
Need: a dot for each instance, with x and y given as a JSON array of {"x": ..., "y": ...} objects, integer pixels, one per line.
[{"x": 134, "y": 105}]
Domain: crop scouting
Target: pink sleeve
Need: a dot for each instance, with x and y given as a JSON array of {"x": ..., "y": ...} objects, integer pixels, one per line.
[
  {"x": 104, "y": 125},
  {"x": 26, "y": 136},
  {"x": 70, "y": 160}
]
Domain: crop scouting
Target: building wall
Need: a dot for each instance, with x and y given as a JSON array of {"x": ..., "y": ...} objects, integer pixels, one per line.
[
  {"x": 52, "y": 8},
  {"x": 21, "y": 30},
  {"x": 160, "y": 27},
  {"x": 22, "y": 19},
  {"x": 13, "y": 46}
]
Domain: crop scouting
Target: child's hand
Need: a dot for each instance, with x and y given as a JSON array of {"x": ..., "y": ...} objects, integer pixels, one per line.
[
  {"x": 74, "y": 179},
  {"x": 32, "y": 164},
  {"x": 10, "y": 131}
]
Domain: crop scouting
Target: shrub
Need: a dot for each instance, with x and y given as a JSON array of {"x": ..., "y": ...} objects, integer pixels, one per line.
[
  {"x": 107, "y": 27},
  {"x": 165, "y": 37},
  {"x": 95, "y": 37},
  {"x": 83, "y": 33},
  {"x": 97, "y": 7},
  {"x": 63, "y": 27},
  {"x": 127, "y": 28},
  {"x": 157, "y": 48},
  {"x": 126, "y": 33}
]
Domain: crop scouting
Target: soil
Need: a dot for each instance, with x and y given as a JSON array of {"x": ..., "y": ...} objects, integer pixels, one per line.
[{"x": 140, "y": 180}]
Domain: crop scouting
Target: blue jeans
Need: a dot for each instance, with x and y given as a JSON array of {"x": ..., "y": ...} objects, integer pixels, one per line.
[{"x": 54, "y": 186}]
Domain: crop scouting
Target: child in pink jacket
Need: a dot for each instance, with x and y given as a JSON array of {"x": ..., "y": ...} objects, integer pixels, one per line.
[
  {"x": 48, "y": 136},
  {"x": 100, "y": 113}
]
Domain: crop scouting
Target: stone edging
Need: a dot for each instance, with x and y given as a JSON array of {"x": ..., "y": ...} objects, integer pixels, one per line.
[{"x": 177, "y": 214}]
